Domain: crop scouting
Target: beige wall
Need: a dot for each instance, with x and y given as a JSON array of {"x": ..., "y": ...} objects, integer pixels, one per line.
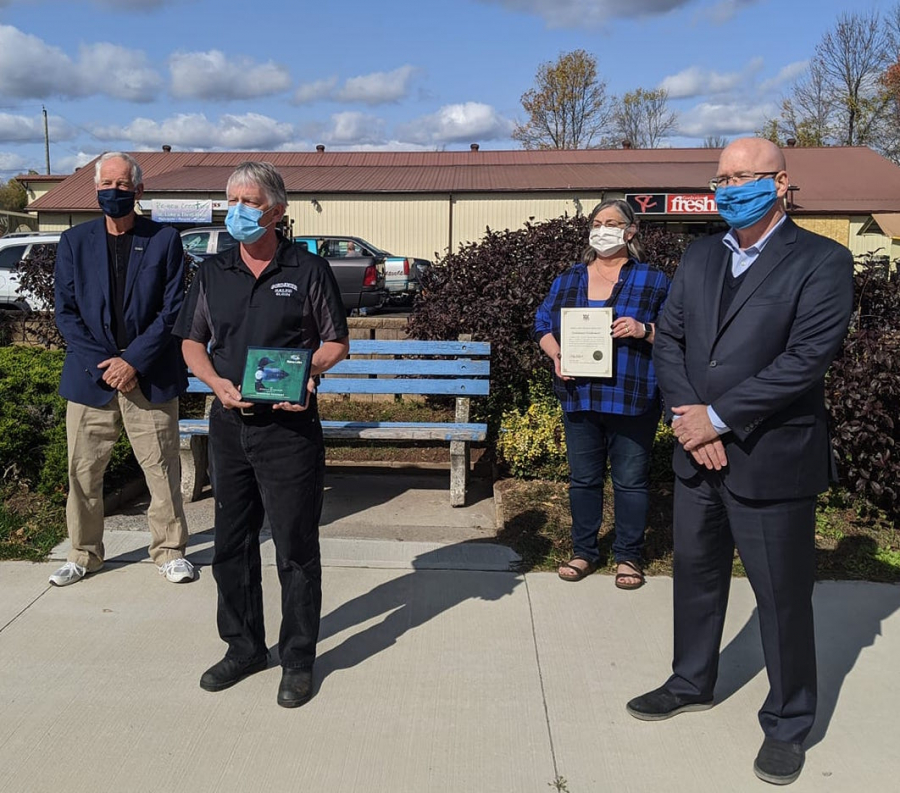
[{"x": 421, "y": 225}]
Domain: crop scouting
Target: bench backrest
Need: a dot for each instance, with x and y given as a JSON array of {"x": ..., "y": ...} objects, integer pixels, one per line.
[{"x": 405, "y": 366}]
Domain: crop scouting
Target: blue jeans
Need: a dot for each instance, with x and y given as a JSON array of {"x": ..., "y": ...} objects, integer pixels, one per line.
[{"x": 626, "y": 441}]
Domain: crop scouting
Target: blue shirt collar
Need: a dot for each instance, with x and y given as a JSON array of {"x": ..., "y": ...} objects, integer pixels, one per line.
[{"x": 731, "y": 241}]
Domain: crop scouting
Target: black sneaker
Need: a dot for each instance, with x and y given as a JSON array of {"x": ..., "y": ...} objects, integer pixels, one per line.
[
  {"x": 663, "y": 704},
  {"x": 779, "y": 762},
  {"x": 230, "y": 671}
]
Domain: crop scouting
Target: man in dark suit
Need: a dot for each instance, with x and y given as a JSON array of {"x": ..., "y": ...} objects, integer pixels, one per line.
[
  {"x": 119, "y": 287},
  {"x": 753, "y": 320}
]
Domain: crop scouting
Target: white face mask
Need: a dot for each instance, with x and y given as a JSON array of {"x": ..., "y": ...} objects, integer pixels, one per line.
[{"x": 607, "y": 241}]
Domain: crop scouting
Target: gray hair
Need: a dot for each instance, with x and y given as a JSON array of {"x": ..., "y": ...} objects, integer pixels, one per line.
[
  {"x": 635, "y": 248},
  {"x": 137, "y": 175},
  {"x": 264, "y": 176}
]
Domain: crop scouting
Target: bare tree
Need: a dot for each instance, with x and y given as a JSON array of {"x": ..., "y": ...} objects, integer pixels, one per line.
[
  {"x": 643, "y": 117},
  {"x": 841, "y": 98},
  {"x": 714, "y": 142},
  {"x": 568, "y": 108},
  {"x": 808, "y": 115},
  {"x": 852, "y": 58}
]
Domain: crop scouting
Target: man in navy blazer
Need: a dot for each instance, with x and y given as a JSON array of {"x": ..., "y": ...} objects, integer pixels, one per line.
[
  {"x": 753, "y": 320},
  {"x": 119, "y": 287}
]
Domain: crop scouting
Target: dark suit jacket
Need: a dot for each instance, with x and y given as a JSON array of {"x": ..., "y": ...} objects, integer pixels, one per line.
[
  {"x": 763, "y": 369},
  {"x": 154, "y": 291}
]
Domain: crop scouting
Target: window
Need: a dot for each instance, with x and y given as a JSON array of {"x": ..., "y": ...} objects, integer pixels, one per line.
[
  {"x": 196, "y": 242},
  {"x": 11, "y": 256}
]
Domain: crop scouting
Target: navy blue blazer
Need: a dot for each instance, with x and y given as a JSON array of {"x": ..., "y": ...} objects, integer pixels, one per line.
[
  {"x": 154, "y": 291},
  {"x": 763, "y": 368}
]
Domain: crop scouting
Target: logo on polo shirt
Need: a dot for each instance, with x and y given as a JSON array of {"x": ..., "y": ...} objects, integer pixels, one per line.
[{"x": 285, "y": 289}]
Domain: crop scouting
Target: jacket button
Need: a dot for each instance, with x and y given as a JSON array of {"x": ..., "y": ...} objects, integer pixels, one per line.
[{"x": 713, "y": 364}]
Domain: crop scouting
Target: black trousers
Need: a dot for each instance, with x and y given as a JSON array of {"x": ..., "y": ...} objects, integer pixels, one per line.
[
  {"x": 267, "y": 466},
  {"x": 776, "y": 542}
]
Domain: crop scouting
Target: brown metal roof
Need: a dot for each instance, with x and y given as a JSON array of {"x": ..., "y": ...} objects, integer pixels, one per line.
[{"x": 830, "y": 180}]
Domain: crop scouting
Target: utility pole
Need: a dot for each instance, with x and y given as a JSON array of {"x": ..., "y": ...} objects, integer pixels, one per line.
[{"x": 46, "y": 140}]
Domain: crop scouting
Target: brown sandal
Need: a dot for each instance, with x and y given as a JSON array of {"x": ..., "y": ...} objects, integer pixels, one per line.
[
  {"x": 638, "y": 573},
  {"x": 581, "y": 573}
]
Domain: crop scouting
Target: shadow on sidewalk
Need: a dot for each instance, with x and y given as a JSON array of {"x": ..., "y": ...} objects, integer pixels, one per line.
[
  {"x": 847, "y": 620},
  {"x": 407, "y": 602}
]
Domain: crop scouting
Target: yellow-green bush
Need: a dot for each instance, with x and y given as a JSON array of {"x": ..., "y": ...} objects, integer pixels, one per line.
[{"x": 533, "y": 443}]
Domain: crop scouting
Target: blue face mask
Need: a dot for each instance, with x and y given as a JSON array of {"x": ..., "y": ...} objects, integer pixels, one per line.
[
  {"x": 116, "y": 203},
  {"x": 242, "y": 223},
  {"x": 742, "y": 205}
]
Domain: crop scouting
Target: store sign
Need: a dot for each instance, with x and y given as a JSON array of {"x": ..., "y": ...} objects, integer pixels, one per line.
[
  {"x": 647, "y": 203},
  {"x": 672, "y": 203},
  {"x": 182, "y": 210}
]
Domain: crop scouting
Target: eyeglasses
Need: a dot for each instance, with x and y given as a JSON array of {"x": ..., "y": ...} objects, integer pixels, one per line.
[
  {"x": 610, "y": 224},
  {"x": 739, "y": 178}
]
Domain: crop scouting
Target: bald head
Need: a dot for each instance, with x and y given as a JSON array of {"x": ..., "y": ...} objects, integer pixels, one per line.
[{"x": 751, "y": 155}]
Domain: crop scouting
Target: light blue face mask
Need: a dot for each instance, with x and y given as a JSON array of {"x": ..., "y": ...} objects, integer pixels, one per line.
[
  {"x": 242, "y": 223},
  {"x": 742, "y": 205}
]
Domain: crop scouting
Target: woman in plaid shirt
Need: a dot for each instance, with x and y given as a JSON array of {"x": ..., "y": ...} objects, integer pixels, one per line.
[{"x": 611, "y": 418}]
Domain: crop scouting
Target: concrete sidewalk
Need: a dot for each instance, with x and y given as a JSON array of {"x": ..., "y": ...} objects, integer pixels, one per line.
[{"x": 429, "y": 678}]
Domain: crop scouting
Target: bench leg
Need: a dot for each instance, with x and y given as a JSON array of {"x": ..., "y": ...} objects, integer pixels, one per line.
[
  {"x": 194, "y": 466},
  {"x": 459, "y": 472}
]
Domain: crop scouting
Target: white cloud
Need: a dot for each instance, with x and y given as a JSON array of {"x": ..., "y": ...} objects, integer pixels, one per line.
[
  {"x": 787, "y": 75},
  {"x": 30, "y": 129},
  {"x": 353, "y": 128},
  {"x": 588, "y": 13},
  {"x": 377, "y": 88},
  {"x": 471, "y": 121},
  {"x": 738, "y": 118},
  {"x": 117, "y": 72},
  {"x": 101, "y": 68},
  {"x": 315, "y": 91},
  {"x": 70, "y": 162},
  {"x": 728, "y": 9},
  {"x": 213, "y": 75},
  {"x": 695, "y": 81},
  {"x": 12, "y": 163},
  {"x": 195, "y": 131}
]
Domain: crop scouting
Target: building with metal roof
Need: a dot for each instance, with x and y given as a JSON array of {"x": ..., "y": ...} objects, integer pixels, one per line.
[{"x": 422, "y": 203}]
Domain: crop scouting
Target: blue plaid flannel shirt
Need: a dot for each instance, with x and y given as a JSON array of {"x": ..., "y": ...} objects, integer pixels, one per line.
[{"x": 640, "y": 293}]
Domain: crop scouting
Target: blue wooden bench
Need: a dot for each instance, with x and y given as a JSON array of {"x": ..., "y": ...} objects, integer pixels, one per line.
[{"x": 449, "y": 368}]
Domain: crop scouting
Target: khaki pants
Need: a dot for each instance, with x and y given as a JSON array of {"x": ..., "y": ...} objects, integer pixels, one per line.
[{"x": 153, "y": 432}]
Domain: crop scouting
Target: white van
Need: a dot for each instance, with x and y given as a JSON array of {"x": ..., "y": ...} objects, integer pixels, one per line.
[{"x": 14, "y": 248}]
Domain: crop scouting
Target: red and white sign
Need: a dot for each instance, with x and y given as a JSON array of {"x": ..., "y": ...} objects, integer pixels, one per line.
[{"x": 691, "y": 204}]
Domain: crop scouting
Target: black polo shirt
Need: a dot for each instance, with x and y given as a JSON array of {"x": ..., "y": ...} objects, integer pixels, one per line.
[{"x": 295, "y": 302}]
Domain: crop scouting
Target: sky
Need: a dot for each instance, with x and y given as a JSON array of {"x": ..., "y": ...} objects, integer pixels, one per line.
[{"x": 360, "y": 75}]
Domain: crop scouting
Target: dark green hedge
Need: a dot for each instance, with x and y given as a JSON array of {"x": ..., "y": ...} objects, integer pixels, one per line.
[{"x": 33, "y": 423}]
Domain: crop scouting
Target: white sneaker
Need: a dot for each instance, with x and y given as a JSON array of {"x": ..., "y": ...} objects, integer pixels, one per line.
[
  {"x": 69, "y": 573},
  {"x": 177, "y": 570}
]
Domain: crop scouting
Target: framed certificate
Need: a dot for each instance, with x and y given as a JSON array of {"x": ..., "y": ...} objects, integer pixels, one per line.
[
  {"x": 586, "y": 343},
  {"x": 276, "y": 374}
]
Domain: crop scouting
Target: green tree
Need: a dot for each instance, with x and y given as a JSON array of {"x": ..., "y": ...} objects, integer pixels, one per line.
[
  {"x": 13, "y": 197},
  {"x": 568, "y": 108}
]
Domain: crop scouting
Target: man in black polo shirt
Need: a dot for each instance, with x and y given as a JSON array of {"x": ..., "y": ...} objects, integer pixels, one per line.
[{"x": 267, "y": 462}]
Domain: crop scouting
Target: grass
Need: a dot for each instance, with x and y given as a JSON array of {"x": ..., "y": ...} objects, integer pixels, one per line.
[
  {"x": 30, "y": 526},
  {"x": 851, "y": 543}
]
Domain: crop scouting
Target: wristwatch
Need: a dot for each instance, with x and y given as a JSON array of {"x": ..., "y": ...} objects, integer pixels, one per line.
[{"x": 648, "y": 329}]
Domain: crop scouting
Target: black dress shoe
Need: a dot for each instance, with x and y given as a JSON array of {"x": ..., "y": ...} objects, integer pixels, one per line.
[
  {"x": 779, "y": 762},
  {"x": 663, "y": 704},
  {"x": 230, "y": 671},
  {"x": 296, "y": 688}
]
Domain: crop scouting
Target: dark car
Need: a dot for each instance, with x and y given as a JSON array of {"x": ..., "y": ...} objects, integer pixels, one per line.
[
  {"x": 402, "y": 274},
  {"x": 361, "y": 280},
  {"x": 360, "y": 275}
]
